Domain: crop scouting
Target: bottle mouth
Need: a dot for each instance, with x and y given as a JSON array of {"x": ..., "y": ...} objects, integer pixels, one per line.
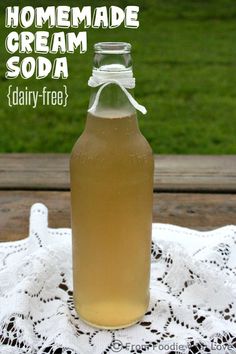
[{"x": 112, "y": 48}]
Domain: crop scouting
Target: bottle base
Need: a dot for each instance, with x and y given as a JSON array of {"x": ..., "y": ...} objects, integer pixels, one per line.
[
  {"x": 109, "y": 316},
  {"x": 110, "y": 327}
]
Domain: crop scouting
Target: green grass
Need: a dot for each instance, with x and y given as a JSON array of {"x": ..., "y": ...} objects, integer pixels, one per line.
[{"x": 184, "y": 58}]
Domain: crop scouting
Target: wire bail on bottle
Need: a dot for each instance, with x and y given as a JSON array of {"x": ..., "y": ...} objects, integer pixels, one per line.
[{"x": 124, "y": 80}]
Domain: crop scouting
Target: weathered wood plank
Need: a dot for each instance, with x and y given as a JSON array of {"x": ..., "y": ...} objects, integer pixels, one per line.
[
  {"x": 195, "y": 173},
  {"x": 173, "y": 173},
  {"x": 195, "y": 210},
  {"x": 34, "y": 171}
]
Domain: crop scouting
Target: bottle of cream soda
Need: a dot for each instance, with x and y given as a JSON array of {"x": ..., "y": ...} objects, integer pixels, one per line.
[{"x": 111, "y": 171}]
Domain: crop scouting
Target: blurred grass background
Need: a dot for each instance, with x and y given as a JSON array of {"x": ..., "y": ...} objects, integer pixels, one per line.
[{"x": 184, "y": 56}]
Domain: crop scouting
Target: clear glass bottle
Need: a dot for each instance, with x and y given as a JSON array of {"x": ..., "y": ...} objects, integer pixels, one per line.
[{"x": 111, "y": 203}]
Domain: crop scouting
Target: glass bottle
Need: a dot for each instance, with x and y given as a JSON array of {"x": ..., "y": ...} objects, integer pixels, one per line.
[{"x": 111, "y": 170}]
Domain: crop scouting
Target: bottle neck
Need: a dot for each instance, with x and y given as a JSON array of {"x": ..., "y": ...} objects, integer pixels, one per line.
[{"x": 113, "y": 103}]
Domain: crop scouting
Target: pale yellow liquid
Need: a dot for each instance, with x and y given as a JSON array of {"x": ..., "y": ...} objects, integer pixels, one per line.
[{"x": 111, "y": 195}]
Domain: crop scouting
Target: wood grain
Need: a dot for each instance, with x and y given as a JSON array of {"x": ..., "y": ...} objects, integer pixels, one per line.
[
  {"x": 173, "y": 173},
  {"x": 194, "y": 210}
]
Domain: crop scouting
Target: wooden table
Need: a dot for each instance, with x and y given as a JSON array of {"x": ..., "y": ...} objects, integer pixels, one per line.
[{"x": 193, "y": 191}]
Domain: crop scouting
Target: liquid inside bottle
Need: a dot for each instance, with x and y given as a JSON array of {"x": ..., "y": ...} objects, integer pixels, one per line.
[{"x": 111, "y": 203}]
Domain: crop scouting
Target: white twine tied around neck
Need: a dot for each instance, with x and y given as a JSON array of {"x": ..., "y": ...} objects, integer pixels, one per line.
[{"x": 124, "y": 80}]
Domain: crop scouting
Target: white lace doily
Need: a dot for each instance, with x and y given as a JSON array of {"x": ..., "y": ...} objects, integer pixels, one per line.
[{"x": 192, "y": 307}]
